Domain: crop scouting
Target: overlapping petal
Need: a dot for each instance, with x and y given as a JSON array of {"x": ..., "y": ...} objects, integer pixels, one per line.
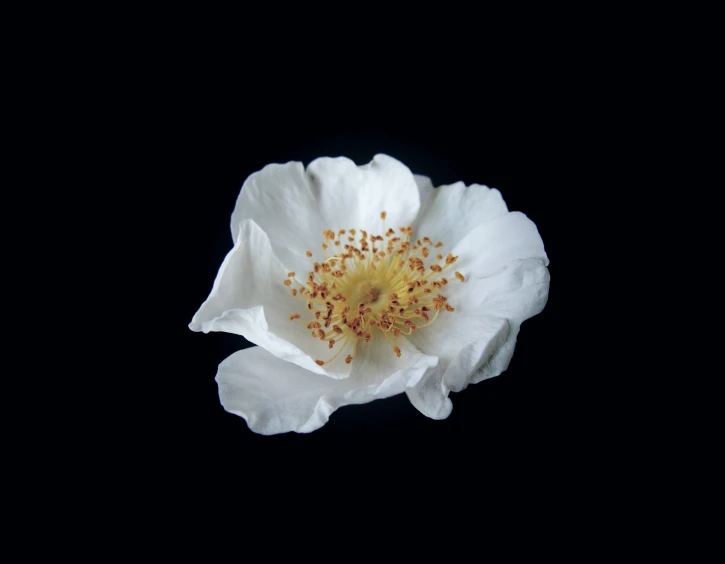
[
  {"x": 425, "y": 188},
  {"x": 248, "y": 299},
  {"x": 449, "y": 213},
  {"x": 509, "y": 245},
  {"x": 464, "y": 344},
  {"x": 275, "y": 396},
  {"x": 293, "y": 205},
  {"x": 504, "y": 265}
]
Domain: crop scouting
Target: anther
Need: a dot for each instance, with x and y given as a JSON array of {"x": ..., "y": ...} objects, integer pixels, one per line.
[
  {"x": 383, "y": 215},
  {"x": 320, "y": 362},
  {"x": 397, "y": 351},
  {"x": 288, "y": 282},
  {"x": 348, "y": 360},
  {"x": 294, "y": 316},
  {"x": 308, "y": 253},
  {"x": 460, "y": 276}
]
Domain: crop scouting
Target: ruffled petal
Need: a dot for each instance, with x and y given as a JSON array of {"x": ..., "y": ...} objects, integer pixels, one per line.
[
  {"x": 449, "y": 213},
  {"x": 294, "y": 206},
  {"x": 497, "y": 260},
  {"x": 516, "y": 292},
  {"x": 274, "y": 396},
  {"x": 506, "y": 282},
  {"x": 249, "y": 299},
  {"x": 464, "y": 344}
]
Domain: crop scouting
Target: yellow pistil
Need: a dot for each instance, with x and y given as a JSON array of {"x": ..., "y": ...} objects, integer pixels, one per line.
[{"x": 372, "y": 285}]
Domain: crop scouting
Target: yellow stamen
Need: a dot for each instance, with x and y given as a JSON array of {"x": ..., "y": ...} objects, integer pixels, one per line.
[{"x": 389, "y": 291}]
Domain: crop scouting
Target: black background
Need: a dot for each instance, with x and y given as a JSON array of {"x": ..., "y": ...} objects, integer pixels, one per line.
[{"x": 181, "y": 122}]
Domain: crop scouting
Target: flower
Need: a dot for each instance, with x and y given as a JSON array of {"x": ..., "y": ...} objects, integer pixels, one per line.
[{"x": 359, "y": 283}]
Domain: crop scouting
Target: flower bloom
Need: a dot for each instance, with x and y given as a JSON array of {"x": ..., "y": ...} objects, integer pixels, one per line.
[{"x": 359, "y": 283}]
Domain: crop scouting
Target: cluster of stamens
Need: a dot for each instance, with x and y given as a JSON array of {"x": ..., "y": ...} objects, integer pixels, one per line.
[{"x": 373, "y": 284}]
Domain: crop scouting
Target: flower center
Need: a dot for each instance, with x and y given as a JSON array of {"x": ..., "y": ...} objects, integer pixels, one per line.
[
  {"x": 376, "y": 285},
  {"x": 368, "y": 293}
]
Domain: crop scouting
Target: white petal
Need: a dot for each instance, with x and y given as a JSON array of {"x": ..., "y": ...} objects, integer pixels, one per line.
[
  {"x": 464, "y": 344},
  {"x": 425, "y": 188},
  {"x": 294, "y": 206},
  {"x": 516, "y": 292},
  {"x": 507, "y": 282},
  {"x": 451, "y": 212},
  {"x": 376, "y": 359},
  {"x": 274, "y": 396},
  {"x": 249, "y": 299},
  {"x": 504, "y": 266}
]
